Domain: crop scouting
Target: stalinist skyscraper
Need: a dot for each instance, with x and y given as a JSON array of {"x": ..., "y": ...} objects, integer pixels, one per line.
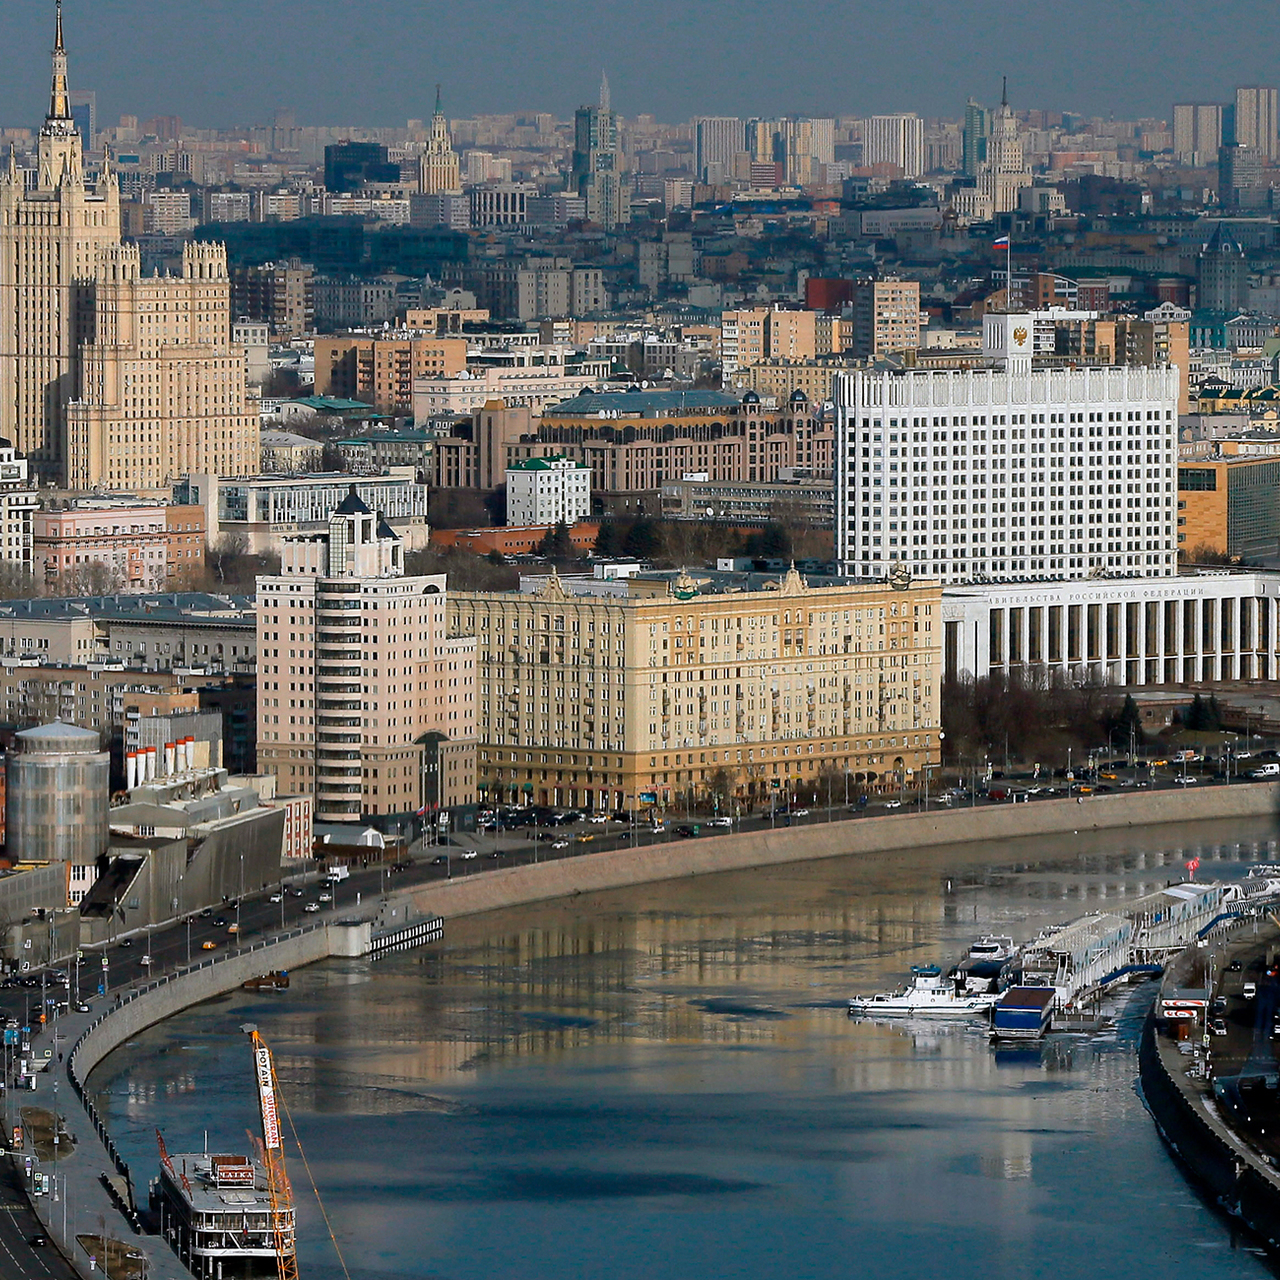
[
  {"x": 111, "y": 379},
  {"x": 438, "y": 166},
  {"x": 49, "y": 242}
]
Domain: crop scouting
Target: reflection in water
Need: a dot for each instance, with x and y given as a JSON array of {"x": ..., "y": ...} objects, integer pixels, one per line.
[{"x": 663, "y": 1082}]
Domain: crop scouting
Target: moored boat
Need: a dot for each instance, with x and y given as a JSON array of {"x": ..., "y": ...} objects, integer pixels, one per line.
[{"x": 929, "y": 994}]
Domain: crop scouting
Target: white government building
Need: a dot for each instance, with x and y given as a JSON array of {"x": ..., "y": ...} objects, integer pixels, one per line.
[
  {"x": 1007, "y": 473},
  {"x": 1203, "y": 626}
]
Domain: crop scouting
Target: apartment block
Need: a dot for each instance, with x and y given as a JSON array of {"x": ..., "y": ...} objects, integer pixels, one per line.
[
  {"x": 130, "y": 543},
  {"x": 356, "y": 665},
  {"x": 886, "y": 316},
  {"x": 1229, "y": 506},
  {"x": 281, "y": 294},
  {"x": 381, "y": 370},
  {"x": 548, "y": 491},
  {"x": 750, "y": 684}
]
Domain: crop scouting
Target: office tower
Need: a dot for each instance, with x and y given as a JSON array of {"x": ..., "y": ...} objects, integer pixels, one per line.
[
  {"x": 718, "y": 140},
  {"x": 1005, "y": 172},
  {"x": 886, "y": 316},
  {"x": 359, "y": 678},
  {"x": 1222, "y": 273},
  {"x": 894, "y": 140},
  {"x": 438, "y": 165},
  {"x": 1256, "y": 120},
  {"x": 50, "y": 237},
  {"x": 1197, "y": 132},
  {"x": 597, "y": 162},
  {"x": 1242, "y": 182},
  {"x": 84, "y": 111},
  {"x": 348, "y": 165},
  {"x": 164, "y": 393},
  {"x": 1002, "y": 473},
  {"x": 977, "y": 129},
  {"x": 684, "y": 680}
]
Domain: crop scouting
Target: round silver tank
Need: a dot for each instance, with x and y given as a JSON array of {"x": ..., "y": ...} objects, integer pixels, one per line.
[{"x": 56, "y": 795}]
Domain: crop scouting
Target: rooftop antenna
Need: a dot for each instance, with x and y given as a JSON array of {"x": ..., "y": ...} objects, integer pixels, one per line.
[
  {"x": 604, "y": 92},
  {"x": 1004, "y": 91}
]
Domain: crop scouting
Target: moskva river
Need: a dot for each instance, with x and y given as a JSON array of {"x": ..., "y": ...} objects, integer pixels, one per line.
[{"x": 663, "y": 1084}]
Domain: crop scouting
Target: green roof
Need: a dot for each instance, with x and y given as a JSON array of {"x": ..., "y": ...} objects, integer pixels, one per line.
[
  {"x": 328, "y": 404},
  {"x": 544, "y": 464},
  {"x": 626, "y": 403}
]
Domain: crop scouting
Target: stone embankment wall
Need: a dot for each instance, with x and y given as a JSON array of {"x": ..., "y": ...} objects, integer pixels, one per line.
[
  {"x": 1240, "y": 1180},
  {"x": 761, "y": 847}
]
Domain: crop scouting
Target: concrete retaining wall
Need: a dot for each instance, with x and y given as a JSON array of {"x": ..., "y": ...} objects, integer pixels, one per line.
[
  {"x": 515, "y": 886},
  {"x": 155, "y": 1001}
]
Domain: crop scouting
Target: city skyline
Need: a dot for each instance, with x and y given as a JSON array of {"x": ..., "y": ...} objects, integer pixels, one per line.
[{"x": 552, "y": 62}]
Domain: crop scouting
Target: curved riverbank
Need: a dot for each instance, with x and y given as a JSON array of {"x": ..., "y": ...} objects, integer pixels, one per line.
[
  {"x": 94, "y": 1039},
  {"x": 1241, "y": 1181}
]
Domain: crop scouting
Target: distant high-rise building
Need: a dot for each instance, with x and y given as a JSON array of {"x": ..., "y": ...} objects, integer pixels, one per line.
[
  {"x": 977, "y": 129},
  {"x": 1242, "y": 183},
  {"x": 886, "y": 316},
  {"x": 84, "y": 111},
  {"x": 438, "y": 165},
  {"x": 597, "y": 162},
  {"x": 895, "y": 140},
  {"x": 1005, "y": 172},
  {"x": 718, "y": 139},
  {"x": 347, "y": 165},
  {"x": 1197, "y": 132},
  {"x": 1222, "y": 273},
  {"x": 1256, "y": 120},
  {"x": 50, "y": 237}
]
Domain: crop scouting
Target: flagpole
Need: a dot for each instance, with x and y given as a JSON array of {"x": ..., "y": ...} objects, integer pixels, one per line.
[{"x": 1008, "y": 272}]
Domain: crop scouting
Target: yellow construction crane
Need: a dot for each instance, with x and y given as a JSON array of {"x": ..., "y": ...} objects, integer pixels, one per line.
[{"x": 278, "y": 1188}]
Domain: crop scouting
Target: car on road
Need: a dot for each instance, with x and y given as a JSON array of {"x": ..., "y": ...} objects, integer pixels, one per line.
[
  {"x": 598, "y": 818},
  {"x": 276, "y": 897},
  {"x": 233, "y": 927},
  {"x": 38, "y": 1241},
  {"x": 293, "y": 893},
  {"x": 466, "y": 854},
  {"x": 585, "y": 837},
  {"x": 145, "y": 961},
  {"x": 206, "y": 913},
  {"x": 1186, "y": 780},
  {"x": 1234, "y": 967},
  {"x": 220, "y": 922},
  {"x": 440, "y": 860},
  {"x": 325, "y": 897},
  {"x": 311, "y": 908},
  {"x": 82, "y": 1007},
  {"x": 1249, "y": 990},
  {"x": 559, "y": 844},
  {"x": 208, "y": 946},
  {"x": 799, "y": 813},
  {"x": 1218, "y": 1026},
  {"x": 687, "y": 832},
  {"x": 893, "y": 804},
  {"x": 720, "y": 822},
  {"x": 126, "y": 942}
]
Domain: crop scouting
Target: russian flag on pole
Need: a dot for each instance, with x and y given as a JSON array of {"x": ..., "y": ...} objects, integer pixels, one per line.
[{"x": 1002, "y": 242}]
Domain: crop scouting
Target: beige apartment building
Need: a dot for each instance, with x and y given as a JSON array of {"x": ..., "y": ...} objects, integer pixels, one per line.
[
  {"x": 381, "y": 371},
  {"x": 886, "y": 317},
  {"x": 735, "y": 681},
  {"x": 760, "y": 333},
  {"x": 359, "y": 677},
  {"x": 163, "y": 391}
]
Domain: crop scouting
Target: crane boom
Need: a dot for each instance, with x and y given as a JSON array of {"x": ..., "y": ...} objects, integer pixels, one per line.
[
  {"x": 168, "y": 1164},
  {"x": 278, "y": 1188}
]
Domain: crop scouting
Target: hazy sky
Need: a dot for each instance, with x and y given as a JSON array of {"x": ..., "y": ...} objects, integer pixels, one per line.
[{"x": 223, "y": 62}]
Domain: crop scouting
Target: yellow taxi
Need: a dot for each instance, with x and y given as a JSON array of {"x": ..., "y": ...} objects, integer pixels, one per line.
[{"x": 207, "y": 946}]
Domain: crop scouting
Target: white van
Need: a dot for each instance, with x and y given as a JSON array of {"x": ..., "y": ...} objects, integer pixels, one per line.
[{"x": 1269, "y": 770}]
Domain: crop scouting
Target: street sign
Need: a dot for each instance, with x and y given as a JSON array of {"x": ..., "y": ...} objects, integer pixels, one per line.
[{"x": 104, "y": 962}]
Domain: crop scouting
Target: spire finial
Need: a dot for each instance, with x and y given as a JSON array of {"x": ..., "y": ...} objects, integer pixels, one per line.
[
  {"x": 604, "y": 92},
  {"x": 438, "y": 112},
  {"x": 59, "y": 100},
  {"x": 1004, "y": 91}
]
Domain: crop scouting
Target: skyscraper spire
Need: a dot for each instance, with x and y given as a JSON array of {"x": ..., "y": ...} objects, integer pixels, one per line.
[
  {"x": 604, "y": 92},
  {"x": 438, "y": 111},
  {"x": 59, "y": 100},
  {"x": 1004, "y": 91}
]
